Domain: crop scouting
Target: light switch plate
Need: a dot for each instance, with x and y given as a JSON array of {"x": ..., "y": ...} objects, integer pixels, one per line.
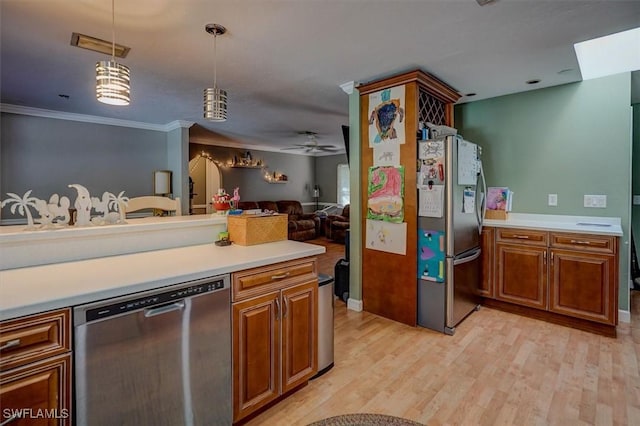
[
  {"x": 595, "y": 201},
  {"x": 636, "y": 200},
  {"x": 553, "y": 199}
]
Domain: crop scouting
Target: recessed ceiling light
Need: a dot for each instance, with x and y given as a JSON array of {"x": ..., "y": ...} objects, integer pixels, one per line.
[
  {"x": 98, "y": 45},
  {"x": 608, "y": 55},
  {"x": 534, "y": 81},
  {"x": 471, "y": 94}
]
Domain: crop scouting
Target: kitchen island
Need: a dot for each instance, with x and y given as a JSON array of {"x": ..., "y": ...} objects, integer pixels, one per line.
[{"x": 41, "y": 348}]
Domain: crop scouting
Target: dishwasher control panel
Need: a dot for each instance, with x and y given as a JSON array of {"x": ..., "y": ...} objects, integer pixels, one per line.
[{"x": 118, "y": 306}]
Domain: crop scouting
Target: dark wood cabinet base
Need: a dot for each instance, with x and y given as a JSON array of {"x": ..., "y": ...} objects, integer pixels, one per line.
[{"x": 593, "y": 327}]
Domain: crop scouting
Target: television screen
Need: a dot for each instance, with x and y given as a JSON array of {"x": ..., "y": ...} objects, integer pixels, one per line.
[{"x": 345, "y": 135}]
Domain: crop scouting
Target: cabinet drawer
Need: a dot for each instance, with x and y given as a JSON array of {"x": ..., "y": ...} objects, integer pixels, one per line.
[
  {"x": 27, "y": 339},
  {"x": 594, "y": 243},
  {"x": 252, "y": 282},
  {"x": 522, "y": 236}
]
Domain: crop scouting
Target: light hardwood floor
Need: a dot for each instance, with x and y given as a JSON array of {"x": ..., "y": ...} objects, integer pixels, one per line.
[{"x": 497, "y": 369}]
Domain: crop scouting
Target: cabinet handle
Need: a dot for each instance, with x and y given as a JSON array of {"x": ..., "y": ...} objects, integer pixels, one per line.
[
  {"x": 521, "y": 237},
  {"x": 277, "y": 309},
  {"x": 286, "y": 308},
  {"x": 552, "y": 258},
  {"x": 580, "y": 242},
  {"x": 544, "y": 258},
  {"x": 280, "y": 276},
  {"x": 10, "y": 344},
  {"x": 10, "y": 419}
]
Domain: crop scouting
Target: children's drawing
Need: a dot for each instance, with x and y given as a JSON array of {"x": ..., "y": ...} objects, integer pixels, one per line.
[
  {"x": 386, "y": 194},
  {"x": 387, "y": 154},
  {"x": 385, "y": 236},
  {"x": 431, "y": 255},
  {"x": 386, "y": 116}
]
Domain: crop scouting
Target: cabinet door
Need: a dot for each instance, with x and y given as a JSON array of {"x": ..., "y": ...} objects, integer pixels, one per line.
[
  {"x": 584, "y": 285},
  {"x": 486, "y": 280},
  {"x": 299, "y": 334},
  {"x": 522, "y": 274},
  {"x": 41, "y": 390},
  {"x": 256, "y": 353}
]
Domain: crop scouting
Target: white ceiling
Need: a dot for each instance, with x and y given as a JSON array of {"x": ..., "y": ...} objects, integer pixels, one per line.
[{"x": 282, "y": 61}]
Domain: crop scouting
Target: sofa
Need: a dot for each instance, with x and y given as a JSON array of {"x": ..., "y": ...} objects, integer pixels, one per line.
[
  {"x": 337, "y": 225},
  {"x": 300, "y": 226}
]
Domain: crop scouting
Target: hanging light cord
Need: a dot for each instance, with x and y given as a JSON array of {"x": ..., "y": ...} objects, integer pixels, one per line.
[
  {"x": 215, "y": 56},
  {"x": 113, "y": 30}
]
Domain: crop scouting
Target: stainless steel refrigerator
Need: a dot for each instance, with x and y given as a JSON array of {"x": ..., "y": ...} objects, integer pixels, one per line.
[{"x": 451, "y": 201}]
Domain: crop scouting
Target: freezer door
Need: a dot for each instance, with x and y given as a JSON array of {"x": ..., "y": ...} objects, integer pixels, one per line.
[
  {"x": 462, "y": 224},
  {"x": 463, "y": 280}
]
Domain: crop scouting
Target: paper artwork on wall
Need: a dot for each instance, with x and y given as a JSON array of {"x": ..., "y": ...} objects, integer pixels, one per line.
[
  {"x": 386, "y": 193},
  {"x": 386, "y": 155},
  {"x": 386, "y": 116},
  {"x": 387, "y": 237},
  {"x": 431, "y": 255},
  {"x": 430, "y": 200}
]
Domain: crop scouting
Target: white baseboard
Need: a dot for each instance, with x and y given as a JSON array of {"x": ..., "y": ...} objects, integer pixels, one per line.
[
  {"x": 354, "y": 305},
  {"x": 624, "y": 316}
]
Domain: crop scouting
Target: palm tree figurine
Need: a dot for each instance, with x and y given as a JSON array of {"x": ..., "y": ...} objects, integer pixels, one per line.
[{"x": 22, "y": 205}]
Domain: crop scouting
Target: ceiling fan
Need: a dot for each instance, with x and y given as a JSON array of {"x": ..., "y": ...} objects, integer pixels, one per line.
[{"x": 312, "y": 146}]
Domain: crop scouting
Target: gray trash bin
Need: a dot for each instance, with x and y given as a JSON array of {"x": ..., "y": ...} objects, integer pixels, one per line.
[{"x": 325, "y": 324}]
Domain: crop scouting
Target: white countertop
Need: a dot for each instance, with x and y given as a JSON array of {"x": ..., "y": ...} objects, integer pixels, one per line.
[
  {"x": 547, "y": 222},
  {"x": 35, "y": 289}
]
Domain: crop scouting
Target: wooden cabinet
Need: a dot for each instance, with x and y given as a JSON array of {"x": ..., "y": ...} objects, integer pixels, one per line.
[
  {"x": 275, "y": 327},
  {"x": 522, "y": 275},
  {"x": 389, "y": 285},
  {"x": 487, "y": 246},
  {"x": 572, "y": 275},
  {"x": 584, "y": 278},
  {"x": 35, "y": 369}
]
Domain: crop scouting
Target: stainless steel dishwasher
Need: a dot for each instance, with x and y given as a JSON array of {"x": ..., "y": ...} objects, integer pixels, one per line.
[{"x": 160, "y": 357}]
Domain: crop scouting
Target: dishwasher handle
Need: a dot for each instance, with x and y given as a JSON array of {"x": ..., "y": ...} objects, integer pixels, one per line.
[{"x": 159, "y": 310}]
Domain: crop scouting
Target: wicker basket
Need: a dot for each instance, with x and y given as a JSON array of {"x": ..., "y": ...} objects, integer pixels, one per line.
[
  {"x": 496, "y": 214},
  {"x": 247, "y": 230}
]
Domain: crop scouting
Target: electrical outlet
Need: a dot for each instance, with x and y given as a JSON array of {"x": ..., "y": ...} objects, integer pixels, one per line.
[
  {"x": 553, "y": 199},
  {"x": 595, "y": 201}
]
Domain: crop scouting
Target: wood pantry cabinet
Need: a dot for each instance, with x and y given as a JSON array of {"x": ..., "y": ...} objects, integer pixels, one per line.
[
  {"x": 570, "y": 276},
  {"x": 487, "y": 247},
  {"x": 35, "y": 369},
  {"x": 275, "y": 328}
]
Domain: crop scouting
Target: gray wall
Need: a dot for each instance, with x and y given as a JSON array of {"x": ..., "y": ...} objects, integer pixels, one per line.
[
  {"x": 46, "y": 155},
  {"x": 327, "y": 176},
  {"x": 298, "y": 168},
  {"x": 569, "y": 140}
]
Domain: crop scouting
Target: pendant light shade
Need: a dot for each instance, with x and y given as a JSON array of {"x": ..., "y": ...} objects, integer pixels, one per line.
[
  {"x": 215, "y": 104},
  {"x": 113, "y": 80},
  {"x": 215, "y": 99},
  {"x": 112, "y": 83}
]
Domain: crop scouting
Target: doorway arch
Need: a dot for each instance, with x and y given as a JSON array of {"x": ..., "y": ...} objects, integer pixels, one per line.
[{"x": 206, "y": 178}]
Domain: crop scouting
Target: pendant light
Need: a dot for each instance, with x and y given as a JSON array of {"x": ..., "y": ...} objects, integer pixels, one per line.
[
  {"x": 113, "y": 79},
  {"x": 215, "y": 99}
]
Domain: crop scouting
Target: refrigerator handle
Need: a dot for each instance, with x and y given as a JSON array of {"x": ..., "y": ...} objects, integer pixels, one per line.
[
  {"x": 467, "y": 259},
  {"x": 480, "y": 212}
]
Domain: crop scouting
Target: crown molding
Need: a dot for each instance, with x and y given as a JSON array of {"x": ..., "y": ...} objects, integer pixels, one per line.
[
  {"x": 85, "y": 118},
  {"x": 348, "y": 87}
]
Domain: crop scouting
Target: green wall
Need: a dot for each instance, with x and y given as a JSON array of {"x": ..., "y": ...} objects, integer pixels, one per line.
[
  {"x": 569, "y": 140},
  {"x": 635, "y": 181}
]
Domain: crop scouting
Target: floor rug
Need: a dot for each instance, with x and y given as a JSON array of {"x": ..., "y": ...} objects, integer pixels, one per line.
[{"x": 365, "y": 420}]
